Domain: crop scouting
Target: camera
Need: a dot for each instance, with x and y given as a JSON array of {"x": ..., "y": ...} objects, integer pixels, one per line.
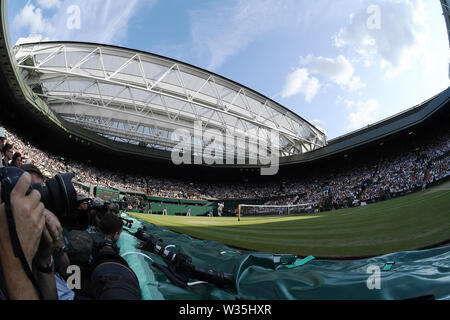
[
  {"x": 105, "y": 247},
  {"x": 97, "y": 205},
  {"x": 58, "y": 194},
  {"x": 111, "y": 276}
]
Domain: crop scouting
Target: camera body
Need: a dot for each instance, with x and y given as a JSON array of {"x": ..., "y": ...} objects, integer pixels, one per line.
[
  {"x": 111, "y": 276},
  {"x": 92, "y": 205},
  {"x": 58, "y": 194},
  {"x": 106, "y": 247}
]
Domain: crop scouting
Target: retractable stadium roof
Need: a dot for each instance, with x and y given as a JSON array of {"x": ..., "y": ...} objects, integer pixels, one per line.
[{"x": 141, "y": 98}]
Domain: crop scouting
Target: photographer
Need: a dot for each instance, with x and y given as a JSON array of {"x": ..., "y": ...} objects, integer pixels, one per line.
[
  {"x": 82, "y": 211},
  {"x": 111, "y": 226},
  {"x": 114, "y": 208},
  {"x": 31, "y": 240},
  {"x": 111, "y": 277},
  {"x": 57, "y": 252},
  {"x": 97, "y": 209},
  {"x": 33, "y": 223}
]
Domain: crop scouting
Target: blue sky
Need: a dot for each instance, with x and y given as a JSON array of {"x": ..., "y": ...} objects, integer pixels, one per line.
[{"x": 339, "y": 64}]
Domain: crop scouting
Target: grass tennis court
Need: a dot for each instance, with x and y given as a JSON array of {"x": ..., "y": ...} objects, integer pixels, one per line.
[{"x": 411, "y": 222}]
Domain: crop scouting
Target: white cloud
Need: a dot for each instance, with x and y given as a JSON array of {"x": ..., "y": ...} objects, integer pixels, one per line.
[
  {"x": 349, "y": 104},
  {"x": 299, "y": 81},
  {"x": 401, "y": 40},
  {"x": 49, "y": 4},
  {"x": 355, "y": 84},
  {"x": 363, "y": 113},
  {"x": 31, "y": 17},
  {"x": 339, "y": 71}
]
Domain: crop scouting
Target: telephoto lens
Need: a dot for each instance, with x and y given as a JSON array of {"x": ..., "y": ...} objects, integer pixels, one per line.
[{"x": 58, "y": 194}]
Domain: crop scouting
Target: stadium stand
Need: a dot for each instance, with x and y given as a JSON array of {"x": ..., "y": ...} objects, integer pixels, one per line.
[{"x": 390, "y": 175}]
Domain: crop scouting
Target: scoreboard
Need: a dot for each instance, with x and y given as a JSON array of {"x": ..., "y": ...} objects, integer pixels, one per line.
[{"x": 106, "y": 194}]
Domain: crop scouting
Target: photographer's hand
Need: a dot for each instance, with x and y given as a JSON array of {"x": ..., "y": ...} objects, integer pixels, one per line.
[
  {"x": 29, "y": 221},
  {"x": 29, "y": 216},
  {"x": 51, "y": 239}
]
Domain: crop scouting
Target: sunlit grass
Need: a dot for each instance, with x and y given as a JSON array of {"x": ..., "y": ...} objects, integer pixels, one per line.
[{"x": 411, "y": 222}]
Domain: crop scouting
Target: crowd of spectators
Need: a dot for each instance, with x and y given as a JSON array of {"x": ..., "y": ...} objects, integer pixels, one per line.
[
  {"x": 87, "y": 174},
  {"x": 380, "y": 178}
]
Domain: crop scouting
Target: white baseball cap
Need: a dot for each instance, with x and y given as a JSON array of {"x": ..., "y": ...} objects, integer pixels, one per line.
[{"x": 2, "y": 133}]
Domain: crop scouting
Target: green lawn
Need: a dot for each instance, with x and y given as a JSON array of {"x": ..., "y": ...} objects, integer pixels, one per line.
[{"x": 411, "y": 222}]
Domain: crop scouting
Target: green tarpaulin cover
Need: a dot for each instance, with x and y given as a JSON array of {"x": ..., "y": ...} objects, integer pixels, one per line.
[{"x": 269, "y": 276}]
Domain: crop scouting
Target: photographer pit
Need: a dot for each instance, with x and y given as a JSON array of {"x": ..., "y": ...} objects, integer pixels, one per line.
[
  {"x": 35, "y": 255},
  {"x": 58, "y": 243}
]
